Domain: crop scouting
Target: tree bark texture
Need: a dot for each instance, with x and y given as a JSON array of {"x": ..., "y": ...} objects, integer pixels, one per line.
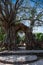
[{"x": 10, "y": 39}]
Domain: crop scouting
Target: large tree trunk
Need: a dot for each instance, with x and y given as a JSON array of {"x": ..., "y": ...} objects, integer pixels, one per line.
[
  {"x": 10, "y": 40},
  {"x": 30, "y": 40}
]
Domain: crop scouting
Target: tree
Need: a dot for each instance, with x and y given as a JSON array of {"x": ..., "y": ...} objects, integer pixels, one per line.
[
  {"x": 34, "y": 16},
  {"x": 8, "y": 12}
]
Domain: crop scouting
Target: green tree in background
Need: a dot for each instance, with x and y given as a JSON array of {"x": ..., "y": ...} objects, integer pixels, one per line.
[{"x": 39, "y": 36}]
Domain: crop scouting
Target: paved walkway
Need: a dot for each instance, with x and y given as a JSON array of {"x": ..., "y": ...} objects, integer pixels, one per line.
[{"x": 11, "y": 58}]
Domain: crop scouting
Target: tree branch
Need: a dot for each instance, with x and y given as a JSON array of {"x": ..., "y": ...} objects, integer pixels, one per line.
[
  {"x": 2, "y": 11},
  {"x": 22, "y": 19},
  {"x": 14, "y": 11},
  {"x": 39, "y": 20},
  {"x": 39, "y": 14},
  {"x": 19, "y": 4},
  {"x": 1, "y": 19}
]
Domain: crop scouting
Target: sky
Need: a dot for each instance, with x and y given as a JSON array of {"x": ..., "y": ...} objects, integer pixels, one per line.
[
  {"x": 14, "y": 0},
  {"x": 36, "y": 29}
]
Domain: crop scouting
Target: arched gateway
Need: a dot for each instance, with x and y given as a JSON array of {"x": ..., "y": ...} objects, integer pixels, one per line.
[{"x": 26, "y": 30}]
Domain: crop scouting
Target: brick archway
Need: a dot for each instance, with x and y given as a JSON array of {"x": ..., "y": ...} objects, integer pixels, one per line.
[
  {"x": 29, "y": 42},
  {"x": 23, "y": 28}
]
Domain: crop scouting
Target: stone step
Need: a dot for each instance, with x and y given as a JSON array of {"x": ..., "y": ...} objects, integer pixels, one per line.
[{"x": 22, "y": 52}]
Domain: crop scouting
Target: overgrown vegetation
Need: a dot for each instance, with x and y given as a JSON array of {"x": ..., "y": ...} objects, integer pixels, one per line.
[{"x": 39, "y": 36}]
